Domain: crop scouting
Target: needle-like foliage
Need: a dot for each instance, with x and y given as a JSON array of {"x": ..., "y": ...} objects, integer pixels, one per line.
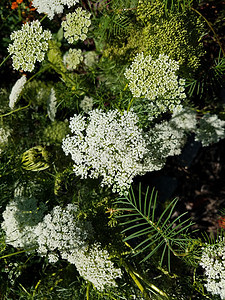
[{"x": 151, "y": 232}]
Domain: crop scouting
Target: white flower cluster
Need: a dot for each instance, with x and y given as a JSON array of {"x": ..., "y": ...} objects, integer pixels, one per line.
[
  {"x": 52, "y": 105},
  {"x": 90, "y": 58},
  {"x": 86, "y": 104},
  {"x": 213, "y": 263},
  {"x": 156, "y": 80},
  {"x": 109, "y": 145},
  {"x": 72, "y": 59},
  {"x": 95, "y": 266},
  {"x": 76, "y": 25},
  {"x": 4, "y": 136},
  {"x": 164, "y": 140},
  {"x": 52, "y": 7},
  {"x": 60, "y": 231},
  {"x": 184, "y": 118},
  {"x": 16, "y": 91},
  {"x": 211, "y": 129},
  {"x": 29, "y": 45},
  {"x": 20, "y": 218}
]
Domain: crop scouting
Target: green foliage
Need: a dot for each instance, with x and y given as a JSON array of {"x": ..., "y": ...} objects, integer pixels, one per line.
[
  {"x": 151, "y": 231},
  {"x": 176, "y": 35},
  {"x": 55, "y": 132},
  {"x": 207, "y": 84},
  {"x": 166, "y": 6},
  {"x": 36, "y": 92},
  {"x": 179, "y": 5},
  {"x": 33, "y": 163}
]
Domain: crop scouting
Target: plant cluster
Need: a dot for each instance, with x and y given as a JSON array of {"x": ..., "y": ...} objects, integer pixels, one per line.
[{"x": 102, "y": 94}]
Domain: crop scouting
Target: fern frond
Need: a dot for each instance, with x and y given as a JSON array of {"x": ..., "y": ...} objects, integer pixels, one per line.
[{"x": 151, "y": 232}]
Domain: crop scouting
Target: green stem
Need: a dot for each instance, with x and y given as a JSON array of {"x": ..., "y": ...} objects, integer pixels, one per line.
[
  {"x": 87, "y": 291},
  {"x": 129, "y": 105},
  {"x": 45, "y": 16},
  {"x": 13, "y": 111},
  {"x": 18, "y": 252},
  {"x": 132, "y": 274},
  {"x": 61, "y": 73},
  {"x": 19, "y": 14},
  {"x": 39, "y": 72},
  {"x": 152, "y": 286},
  {"x": 210, "y": 26},
  {"x": 7, "y": 57}
]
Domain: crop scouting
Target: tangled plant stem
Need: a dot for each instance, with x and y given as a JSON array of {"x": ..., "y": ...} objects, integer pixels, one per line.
[{"x": 16, "y": 110}]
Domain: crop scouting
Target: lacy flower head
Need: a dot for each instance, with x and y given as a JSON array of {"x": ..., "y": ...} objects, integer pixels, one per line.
[
  {"x": 52, "y": 7},
  {"x": 211, "y": 129},
  {"x": 185, "y": 119},
  {"x": 95, "y": 266},
  {"x": 156, "y": 80},
  {"x": 20, "y": 218},
  {"x": 164, "y": 140},
  {"x": 29, "y": 45},
  {"x": 72, "y": 59},
  {"x": 76, "y": 25},
  {"x": 60, "y": 231},
  {"x": 109, "y": 145},
  {"x": 213, "y": 263},
  {"x": 16, "y": 91}
]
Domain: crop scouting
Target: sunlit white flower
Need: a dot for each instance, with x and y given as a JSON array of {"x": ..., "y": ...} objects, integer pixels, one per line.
[
  {"x": 20, "y": 218},
  {"x": 61, "y": 232},
  {"x": 94, "y": 265},
  {"x": 29, "y": 45},
  {"x": 107, "y": 145},
  {"x": 76, "y": 25},
  {"x": 52, "y": 7},
  {"x": 156, "y": 80}
]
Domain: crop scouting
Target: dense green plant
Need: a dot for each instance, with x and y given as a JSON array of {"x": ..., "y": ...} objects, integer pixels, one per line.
[
  {"x": 152, "y": 231},
  {"x": 153, "y": 247},
  {"x": 154, "y": 32}
]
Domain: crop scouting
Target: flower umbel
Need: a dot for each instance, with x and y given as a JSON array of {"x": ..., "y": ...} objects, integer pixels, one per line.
[
  {"x": 76, "y": 25},
  {"x": 156, "y": 80},
  {"x": 29, "y": 45},
  {"x": 72, "y": 59},
  {"x": 211, "y": 129},
  {"x": 213, "y": 263},
  {"x": 16, "y": 91},
  {"x": 4, "y": 136},
  {"x": 52, "y": 7},
  {"x": 107, "y": 145},
  {"x": 95, "y": 266}
]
